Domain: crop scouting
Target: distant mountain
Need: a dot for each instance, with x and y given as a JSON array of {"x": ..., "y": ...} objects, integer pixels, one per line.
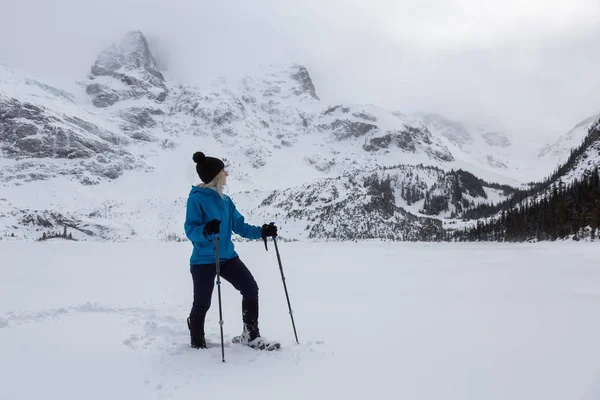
[
  {"x": 557, "y": 152},
  {"x": 582, "y": 160},
  {"x": 486, "y": 146},
  {"x": 395, "y": 202},
  {"x": 126, "y": 71},
  {"x": 566, "y": 204}
]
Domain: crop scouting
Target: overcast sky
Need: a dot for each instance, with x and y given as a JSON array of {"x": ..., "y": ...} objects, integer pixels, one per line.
[{"x": 531, "y": 64}]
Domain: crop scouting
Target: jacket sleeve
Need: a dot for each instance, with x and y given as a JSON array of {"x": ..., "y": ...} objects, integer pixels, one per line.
[
  {"x": 242, "y": 228},
  {"x": 194, "y": 228}
]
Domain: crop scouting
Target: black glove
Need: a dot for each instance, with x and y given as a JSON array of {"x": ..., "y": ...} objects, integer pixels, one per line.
[
  {"x": 212, "y": 227},
  {"x": 269, "y": 230}
]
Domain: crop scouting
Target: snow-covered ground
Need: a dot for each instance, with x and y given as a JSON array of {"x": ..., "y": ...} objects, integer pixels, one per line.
[{"x": 377, "y": 320}]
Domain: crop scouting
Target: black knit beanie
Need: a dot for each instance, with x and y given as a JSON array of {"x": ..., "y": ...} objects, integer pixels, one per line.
[{"x": 207, "y": 167}]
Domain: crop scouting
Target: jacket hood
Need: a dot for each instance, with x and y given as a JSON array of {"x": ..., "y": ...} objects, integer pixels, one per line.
[{"x": 203, "y": 191}]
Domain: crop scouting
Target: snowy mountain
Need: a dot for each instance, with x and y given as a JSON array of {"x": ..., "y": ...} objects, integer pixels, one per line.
[
  {"x": 565, "y": 204},
  {"x": 558, "y": 151},
  {"x": 389, "y": 203},
  {"x": 112, "y": 161},
  {"x": 583, "y": 159},
  {"x": 487, "y": 146},
  {"x": 126, "y": 71},
  {"x": 46, "y": 134}
]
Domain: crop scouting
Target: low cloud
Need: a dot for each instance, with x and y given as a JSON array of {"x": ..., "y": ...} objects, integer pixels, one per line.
[{"x": 532, "y": 66}]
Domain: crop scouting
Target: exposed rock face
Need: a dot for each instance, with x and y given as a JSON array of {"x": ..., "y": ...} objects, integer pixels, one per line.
[
  {"x": 344, "y": 129},
  {"x": 102, "y": 95},
  {"x": 408, "y": 140},
  {"x": 345, "y": 123},
  {"x": 455, "y": 132},
  {"x": 139, "y": 118},
  {"x": 320, "y": 163},
  {"x": 378, "y": 130},
  {"x": 302, "y": 76},
  {"x": 36, "y": 132},
  {"x": 496, "y": 139},
  {"x": 44, "y": 134}
]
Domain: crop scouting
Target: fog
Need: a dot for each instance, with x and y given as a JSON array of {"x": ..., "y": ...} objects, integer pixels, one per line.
[{"x": 530, "y": 66}]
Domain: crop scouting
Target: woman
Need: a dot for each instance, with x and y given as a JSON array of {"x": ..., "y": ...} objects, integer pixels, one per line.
[{"x": 210, "y": 212}]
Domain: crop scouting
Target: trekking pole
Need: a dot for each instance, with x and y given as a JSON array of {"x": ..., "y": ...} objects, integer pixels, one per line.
[
  {"x": 219, "y": 290},
  {"x": 285, "y": 288}
]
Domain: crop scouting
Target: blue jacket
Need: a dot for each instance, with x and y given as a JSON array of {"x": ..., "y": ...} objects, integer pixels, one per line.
[{"x": 204, "y": 205}]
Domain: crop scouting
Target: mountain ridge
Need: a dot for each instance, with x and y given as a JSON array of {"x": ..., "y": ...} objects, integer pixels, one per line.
[{"x": 117, "y": 166}]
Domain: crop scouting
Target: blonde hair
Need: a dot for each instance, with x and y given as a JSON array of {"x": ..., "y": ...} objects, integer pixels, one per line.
[{"x": 217, "y": 184}]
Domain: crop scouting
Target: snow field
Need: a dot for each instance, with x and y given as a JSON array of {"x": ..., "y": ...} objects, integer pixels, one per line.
[{"x": 374, "y": 319}]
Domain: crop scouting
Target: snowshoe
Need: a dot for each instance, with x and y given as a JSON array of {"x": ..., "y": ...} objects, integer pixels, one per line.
[
  {"x": 251, "y": 334},
  {"x": 258, "y": 343}
]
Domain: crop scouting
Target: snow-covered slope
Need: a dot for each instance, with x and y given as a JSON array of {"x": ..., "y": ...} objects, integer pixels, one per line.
[
  {"x": 486, "y": 149},
  {"x": 392, "y": 202},
  {"x": 558, "y": 151},
  {"x": 580, "y": 165},
  {"x": 585, "y": 158},
  {"x": 45, "y": 134}
]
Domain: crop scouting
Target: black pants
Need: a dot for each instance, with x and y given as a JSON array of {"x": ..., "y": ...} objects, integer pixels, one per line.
[{"x": 233, "y": 271}]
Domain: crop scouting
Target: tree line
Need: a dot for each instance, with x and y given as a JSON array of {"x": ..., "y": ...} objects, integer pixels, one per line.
[{"x": 549, "y": 210}]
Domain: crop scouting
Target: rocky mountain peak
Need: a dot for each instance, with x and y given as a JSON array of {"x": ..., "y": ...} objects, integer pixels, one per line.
[
  {"x": 133, "y": 70},
  {"x": 300, "y": 74},
  {"x": 131, "y": 54}
]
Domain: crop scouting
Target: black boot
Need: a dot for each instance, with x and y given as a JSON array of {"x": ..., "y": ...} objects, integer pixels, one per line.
[
  {"x": 250, "y": 319},
  {"x": 196, "y": 327},
  {"x": 251, "y": 334}
]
